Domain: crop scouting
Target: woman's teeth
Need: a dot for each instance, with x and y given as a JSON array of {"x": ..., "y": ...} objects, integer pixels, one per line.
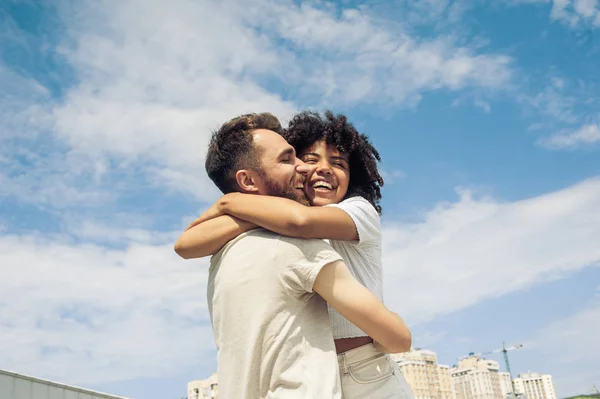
[{"x": 322, "y": 186}]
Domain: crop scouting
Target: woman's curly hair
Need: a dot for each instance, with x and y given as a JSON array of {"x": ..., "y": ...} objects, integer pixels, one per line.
[{"x": 308, "y": 127}]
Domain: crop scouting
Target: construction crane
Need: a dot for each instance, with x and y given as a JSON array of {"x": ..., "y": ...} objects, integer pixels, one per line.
[{"x": 504, "y": 350}]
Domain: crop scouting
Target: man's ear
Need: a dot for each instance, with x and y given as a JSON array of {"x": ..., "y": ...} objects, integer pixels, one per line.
[{"x": 247, "y": 180}]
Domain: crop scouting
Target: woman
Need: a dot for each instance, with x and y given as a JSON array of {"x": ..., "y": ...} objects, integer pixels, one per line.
[{"x": 344, "y": 187}]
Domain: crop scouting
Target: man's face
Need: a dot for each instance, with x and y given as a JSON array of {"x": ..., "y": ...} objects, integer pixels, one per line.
[{"x": 283, "y": 174}]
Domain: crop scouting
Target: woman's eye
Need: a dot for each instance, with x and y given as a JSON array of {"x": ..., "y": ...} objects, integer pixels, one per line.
[{"x": 310, "y": 161}]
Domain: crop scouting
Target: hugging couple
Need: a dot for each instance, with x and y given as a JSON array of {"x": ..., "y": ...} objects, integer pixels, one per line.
[{"x": 295, "y": 281}]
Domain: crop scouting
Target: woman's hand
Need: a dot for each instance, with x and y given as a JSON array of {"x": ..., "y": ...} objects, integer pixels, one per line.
[{"x": 211, "y": 213}]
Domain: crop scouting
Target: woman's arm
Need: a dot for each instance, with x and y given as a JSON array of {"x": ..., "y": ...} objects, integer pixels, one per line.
[
  {"x": 208, "y": 237},
  {"x": 288, "y": 217}
]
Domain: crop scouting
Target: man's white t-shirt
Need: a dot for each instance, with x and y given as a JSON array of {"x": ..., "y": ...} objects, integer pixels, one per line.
[
  {"x": 273, "y": 333},
  {"x": 363, "y": 258}
]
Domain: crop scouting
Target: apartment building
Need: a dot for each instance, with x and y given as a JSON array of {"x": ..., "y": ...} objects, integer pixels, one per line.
[
  {"x": 427, "y": 378},
  {"x": 535, "y": 386},
  {"x": 477, "y": 378},
  {"x": 204, "y": 389}
]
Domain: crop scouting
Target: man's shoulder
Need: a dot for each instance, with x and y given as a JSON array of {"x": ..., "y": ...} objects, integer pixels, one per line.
[
  {"x": 255, "y": 235},
  {"x": 306, "y": 249},
  {"x": 265, "y": 243},
  {"x": 250, "y": 240}
]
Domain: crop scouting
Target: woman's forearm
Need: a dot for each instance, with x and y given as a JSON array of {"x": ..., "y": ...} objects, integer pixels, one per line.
[
  {"x": 288, "y": 217},
  {"x": 281, "y": 215},
  {"x": 208, "y": 237}
]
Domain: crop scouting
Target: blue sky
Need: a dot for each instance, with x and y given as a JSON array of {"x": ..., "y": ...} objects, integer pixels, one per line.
[{"x": 487, "y": 116}]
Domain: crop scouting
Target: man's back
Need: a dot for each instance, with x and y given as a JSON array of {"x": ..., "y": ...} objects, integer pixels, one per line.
[{"x": 272, "y": 332}]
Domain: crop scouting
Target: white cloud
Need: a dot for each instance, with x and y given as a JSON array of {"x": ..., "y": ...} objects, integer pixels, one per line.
[
  {"x": 475, "y": 249},
  {"x": 155, "y": 84},
  {"x": 586, "y": 135},
  {"x": 45, "y": 176},
  {"x": 575, "y": 13},
  {"x": 553, "y": 101},
  {"x": 568, "y": 108},
  {"x": 560, "y": 12},
  {"x": 88, "y": 314},
  {"x": 97, "y": 232},
  {"x": 586, "y": 8},
  {"x": 22, "y": 108},
  {"x": 150, "y": 86}
]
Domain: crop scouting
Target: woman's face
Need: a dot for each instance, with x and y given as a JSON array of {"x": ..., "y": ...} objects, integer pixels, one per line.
[{"x": 329, "y": 175}]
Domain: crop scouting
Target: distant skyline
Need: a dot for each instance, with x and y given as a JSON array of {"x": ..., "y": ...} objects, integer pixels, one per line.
[{"x": 486, "y": 114}]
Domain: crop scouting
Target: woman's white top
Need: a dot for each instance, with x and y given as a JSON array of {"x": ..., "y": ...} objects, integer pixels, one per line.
[{"x": 363, "y": 258}]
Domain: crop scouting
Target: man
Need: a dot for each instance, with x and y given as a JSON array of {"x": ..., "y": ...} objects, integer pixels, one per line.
[{"x": 272, "y": 332}]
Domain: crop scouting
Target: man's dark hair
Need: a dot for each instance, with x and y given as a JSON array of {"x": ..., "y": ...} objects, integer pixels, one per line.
[
  {"x": 232, "y": 148},
  {"x": 308, "y": 127}
]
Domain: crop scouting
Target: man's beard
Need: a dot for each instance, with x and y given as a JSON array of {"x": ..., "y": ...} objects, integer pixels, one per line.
[{"x": 288, "y": 191}]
